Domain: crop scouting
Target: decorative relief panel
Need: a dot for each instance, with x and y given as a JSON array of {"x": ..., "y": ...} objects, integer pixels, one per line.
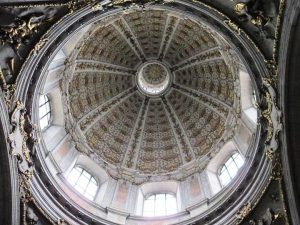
[
  {"x": 159, "y": 151},
  {"x": 181, "y": 47},
  {"x": 107, "y": 45},
  {"x": 110, "y": 135},
  {"x": 203, "y": 126},
  {"x": 88, "y": 90},
  {"x": 213, "y": 78},
  {"x": 148, "y": 27}
]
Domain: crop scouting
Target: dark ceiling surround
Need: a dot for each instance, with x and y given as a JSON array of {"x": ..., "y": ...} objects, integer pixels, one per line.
[
  {"x": 289, "y": 81},
  {"x": 255, "y": 178}
]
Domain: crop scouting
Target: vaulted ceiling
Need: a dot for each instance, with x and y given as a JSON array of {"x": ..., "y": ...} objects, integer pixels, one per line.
[{"x": 153, "y": 134}]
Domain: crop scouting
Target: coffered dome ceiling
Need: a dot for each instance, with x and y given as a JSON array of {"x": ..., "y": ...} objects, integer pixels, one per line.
[{"x": 151, "y": 93}]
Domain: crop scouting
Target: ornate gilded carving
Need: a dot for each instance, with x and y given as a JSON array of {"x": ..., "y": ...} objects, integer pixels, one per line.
[
  {"x": 271, "y": 114},
  {"x": 21, "y": 29},
  {"x": 276, "y": 167},
  {"x": 233, "y": 26},
  {"x": 267, "y": 219},
  {"x": 8, "y": 90},
  {"x": 22, "y": 143},
  {"x": 259, "y": 13},
  {"x": 244, "y": 212},
  {"x": 21, "y": 139},
  {"x": 39, "y": 45}
]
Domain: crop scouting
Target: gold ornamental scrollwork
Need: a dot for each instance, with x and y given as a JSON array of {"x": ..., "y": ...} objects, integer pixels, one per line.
[
  {"x": 8, "y": 90},
  {"x": 22, "y": 142},
  {"x": 233, "y": 26},
  {"x": 22, "y": 147},
  {"x": 20, "y": 31},
  {"x": 271, "y": 114},
  {"x": 244, "y": 212}
]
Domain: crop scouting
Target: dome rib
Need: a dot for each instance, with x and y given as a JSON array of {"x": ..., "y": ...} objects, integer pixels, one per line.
[
  {"x": 136, "y": 135},
  {"x": 123, "y": 28},
  {"x": 183, "y": 141},
  {"x": 101, "y": 111}
]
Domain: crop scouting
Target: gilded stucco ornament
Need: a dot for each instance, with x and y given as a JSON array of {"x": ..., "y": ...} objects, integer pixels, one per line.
[
  {"x": 271, "y": 115},
  {"x": 233, "y": 26},
  {"x": 268, "y": 218},
  {"x": 39, "y": 45},
  {"x": 8, "y": 91},
  {"x": 21, "y": 140},
  {"x": 260, "y": 14},
  {"x": 244, "y": 212},
  {"x": 20, "y": 30},
  {"x": 22, "y": 144}
]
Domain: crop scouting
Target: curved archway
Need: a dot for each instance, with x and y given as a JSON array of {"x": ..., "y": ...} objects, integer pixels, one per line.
[{"x": 51, "y": 48}]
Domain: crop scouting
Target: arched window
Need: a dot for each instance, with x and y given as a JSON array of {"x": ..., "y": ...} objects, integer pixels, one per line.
[
  {"x": 230, "y": 168},
  {"x": 44, "y": 111},
  {"x": 83, "y": 182},
  {"x": 160, "y": 205}
]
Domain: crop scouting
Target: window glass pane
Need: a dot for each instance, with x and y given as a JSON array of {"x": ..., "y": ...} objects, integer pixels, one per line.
[
  {"x": 225, "y": 178},
  {"x": 90, "y": 197},
  {"x": 43, "y": 123},
  {"x": 148, "y": 213},
  {"x": 230, "y": 168},
  {"x": 171, "y": 203},
  {"x": 171, "y": 206},
  {"x": 229, "y": 161},
  {"x": 91, "y": 189},
  {"x": 93, "y": 181},
  {"x": 160, "y": 196},
  {"x": 239, "y": 161},
  {"x": 83, "y": 182},
  {"x": 171, "y": 211},
  {"x": 41, "y": 101},
  {"x": 152, "y": 197},
  {"x": 73, "y": 176},
  {"x": 80, "y": 189},
  {"x": 160, "y": 205},
  {"x": 47, "y": 107},
  {"x": 86, "y": 174},
  {"x": 44, "y": 111},
  {"x": 160, "y": 213},
  {"x": 234, "y": 155},
  {"x": 149, "y": 207}
]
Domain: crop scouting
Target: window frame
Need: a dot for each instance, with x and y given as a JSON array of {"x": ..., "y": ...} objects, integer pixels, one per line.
[
  {"x": 49, "y": 112},
  {"x": 254, "y": 99},
  {"x": 92, "y": 176},
  {"x": 224, "y": 165},
  {"x": 165, "y": 199}
]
